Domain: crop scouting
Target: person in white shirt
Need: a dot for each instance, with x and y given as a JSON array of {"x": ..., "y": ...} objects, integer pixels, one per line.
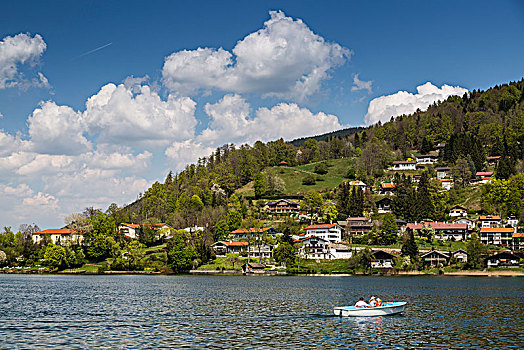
[
  {"x": 361, "y": 303},
  {"x": 372, "y": 302}
]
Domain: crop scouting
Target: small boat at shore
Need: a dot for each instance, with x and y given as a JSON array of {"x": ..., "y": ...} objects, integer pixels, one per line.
[{"x": 391, "y": 308}]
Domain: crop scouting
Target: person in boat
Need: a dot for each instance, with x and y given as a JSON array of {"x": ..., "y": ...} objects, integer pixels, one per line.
[
  {"x": 361, "y": 303},
  {"x": 375, "y": 302}
]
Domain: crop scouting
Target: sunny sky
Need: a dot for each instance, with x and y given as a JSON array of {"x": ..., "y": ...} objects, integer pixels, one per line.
[{"x": 98, "y": 99}]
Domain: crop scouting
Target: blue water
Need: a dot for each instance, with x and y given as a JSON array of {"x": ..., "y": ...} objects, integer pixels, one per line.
[{"x": 225, "y": 312}]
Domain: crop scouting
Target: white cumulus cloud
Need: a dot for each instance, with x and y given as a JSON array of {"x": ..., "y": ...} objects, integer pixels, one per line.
[
  {"x": 117, "y": 115},
  {"x": 384, "y": 107},
  {"x": 16, "y": 51},
  {"x": 283, "y": 59}
]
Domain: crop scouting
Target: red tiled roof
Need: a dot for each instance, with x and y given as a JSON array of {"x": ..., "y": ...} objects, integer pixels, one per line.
[
  {"x": 387, "y": 185},
  {"x": 518, "y": 234},
  {"x": 494, "y": 158},
  {"x": 131, "y": 225},
  {"x": 313, "y": 227},
  {"x": 497, "y": 229},
  {"x": 404, "y": 162},
  {"x": 484, "y": 173},
  {"x": 55, "y": 231},
  {"x": 438, "y": 226},
  {"x": 358, "y": 218},
  {"x": 235, "y": 244}
]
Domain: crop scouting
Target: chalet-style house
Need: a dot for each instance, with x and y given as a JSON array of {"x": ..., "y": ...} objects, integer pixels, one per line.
[
  {"x": 244, "y": 233},
  {"x": 384, "y": 205},
  {"x": 358, "y": 184},
  {"x": 442, "y": 172},
  {"x": 458, "y": 211},
  {"x": 503, "y": 259},
  {"x": 402, "y": 165},
  {"x": 358, "y": 225},
  {"x": 426, "y": 159},
  {"x": 386, "y": 188},
  {"x": 59, "y": 236},
  {"x": 434, "y": 258},
  {"x": 313, "y": 248},
  {"x": 381, "y": 260},
  {"x": 489, "y": 221},
  {"x": 222, "y": 248},
  {"x": 501, "y": 236},
  {"x": 264, "y": 250},
  {"x": 460, "y": 255},
  {"x": 282, "y": 206},
  {"x": 129, "y": 230},
  {"x": 443, "y": 230},
  {"x": 329, "y": 232}
]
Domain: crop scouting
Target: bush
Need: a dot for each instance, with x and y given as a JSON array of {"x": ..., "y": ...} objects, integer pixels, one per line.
[
  {"x": 321, "y": 168},
  {"x": 308, "y": 180}
]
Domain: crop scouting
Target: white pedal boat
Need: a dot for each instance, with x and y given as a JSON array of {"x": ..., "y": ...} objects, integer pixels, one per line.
[{"x": 391, "y": 308}]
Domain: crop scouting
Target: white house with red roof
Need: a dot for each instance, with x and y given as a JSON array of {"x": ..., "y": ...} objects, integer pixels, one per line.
[
  {"x": 502, "y": 236},
  {"x": 224, "y": 247},
  {"x": 487, "y": 221},
  {"x": 484, "y": 176},
  {"x": 387, "y": 188},
  {"x": 129, "y": 230},
  {"x": 312, "y": 247},
  {"x": 244, "y": 233},
  {"x": 458, "y": 211},
  {"x": 443, "y": 230},
  {"x": 329, "y": 232},
  {"x": 60, "y": 236}
]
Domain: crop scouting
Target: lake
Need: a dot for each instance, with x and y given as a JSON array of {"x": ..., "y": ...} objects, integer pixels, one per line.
[{"x": 225, "y": 312}]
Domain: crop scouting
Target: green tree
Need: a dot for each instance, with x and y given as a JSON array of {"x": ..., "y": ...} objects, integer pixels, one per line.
[
  {"x": 55, "y": 256},
  {"x": 285, "y": 254},
  {"x": 180, "y": 255},
  {"x": 389, "y": 229},
  {"x": 321, "y": 168},
  {"x": 234, "y": 219},
  {"x": 308, "y": 180},
  {"x": 330, "y": 211},
  {"x": 424, "y": 204},
  {"x": 410, "y": 248},
  {"x": 259, "y": 185},
  {"x": 221, "y": 230},
  {"x": 475, "y": 250},
  {"x": 312, "y": 202}
]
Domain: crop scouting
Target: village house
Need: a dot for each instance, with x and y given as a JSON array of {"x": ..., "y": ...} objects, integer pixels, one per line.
[
  {"x": 221, "y": 248},
  {"x": 460, "y": 255},
  {"x": 501, "y": 236},
  {"x": 469, "y": 222},
  {"x": 313, "y": 248},
  {"x": 402, "y": 165},
  {"x": 339, "y": 251},
  {"x": 443, "y": 230},
  {"x": 256, "y": 251},
  {"x": 358, "y": 184},
  {"x": 381, "y": 260},
  {"x": 484, "y": 176},
  {"x": 358, "y": 225},
  {"x": 503, "y": 259},
  {"x": 282, "y": 206},
  {"x": 489, "y": 221},
  {"x": 426, "y": 159},
  {"x": 130, "y": 231},
  {"x": 329, "y": 232},
  {"x": 442, "y": 172},
  {"x": 447, "y": 184},
  {"x": 458, "y": 211},
  {"x": 386, "y": 188},
  {"x": 245, "y": 233},
  {"x": 434, "y": 258},
  {"x": 513, "y": 221},
  {"x": 518, "y": 240},
  {"x": 59, "y": 236},
  {"x": 384, "y": 205}
]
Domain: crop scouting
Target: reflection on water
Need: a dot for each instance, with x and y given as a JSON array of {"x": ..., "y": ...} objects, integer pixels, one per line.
[{"x": 257, "y": 312}]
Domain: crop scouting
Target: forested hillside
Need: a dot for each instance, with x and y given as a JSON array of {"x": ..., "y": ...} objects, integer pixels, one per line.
[{"x": 474, "y": 126}]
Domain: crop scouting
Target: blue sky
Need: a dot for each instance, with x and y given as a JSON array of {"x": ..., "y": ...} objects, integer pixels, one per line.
[{"x": 72, "y": 134}]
